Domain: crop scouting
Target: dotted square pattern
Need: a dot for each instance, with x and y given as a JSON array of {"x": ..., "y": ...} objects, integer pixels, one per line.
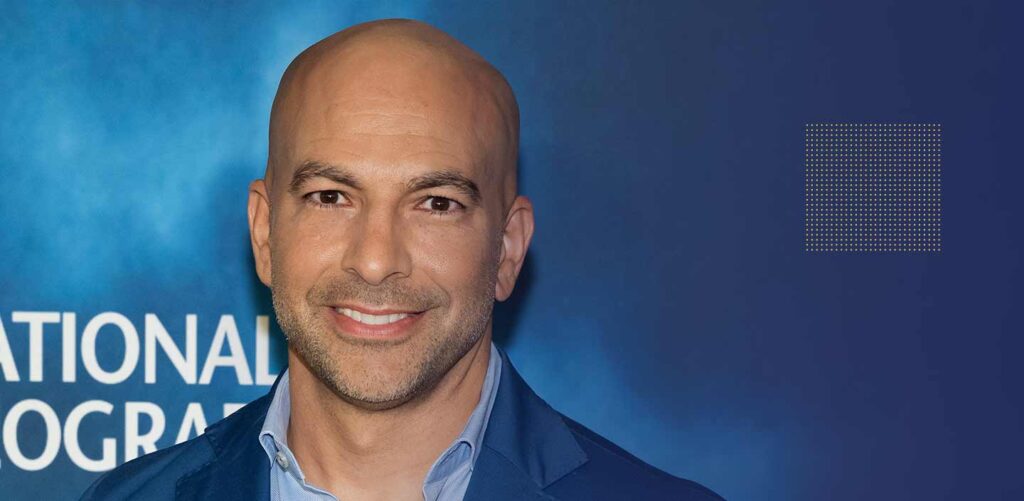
[{"x": 873, "y": 187}]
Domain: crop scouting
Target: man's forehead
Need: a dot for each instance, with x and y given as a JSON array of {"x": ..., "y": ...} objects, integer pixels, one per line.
[
  {"x": 409, "y": 95},
  {"x": 396, "y": 124},
  {"x": 389, "y": 135},
  {"x": 380, "y": 89},
  {"x": 393, "y": 158}
]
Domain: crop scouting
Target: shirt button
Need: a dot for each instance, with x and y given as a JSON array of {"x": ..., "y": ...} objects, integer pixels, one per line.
[{"x": 282, "y": 460}]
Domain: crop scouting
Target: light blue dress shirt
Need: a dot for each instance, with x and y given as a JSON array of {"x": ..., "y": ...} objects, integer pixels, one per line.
[{"x": 446, "y": 480}]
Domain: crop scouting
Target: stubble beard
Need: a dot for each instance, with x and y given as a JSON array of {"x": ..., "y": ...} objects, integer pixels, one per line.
[{"x": 315, "y": 342}]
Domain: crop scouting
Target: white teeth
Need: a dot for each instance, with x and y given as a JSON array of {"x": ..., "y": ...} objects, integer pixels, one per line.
[{"x": 368, "y": 319}]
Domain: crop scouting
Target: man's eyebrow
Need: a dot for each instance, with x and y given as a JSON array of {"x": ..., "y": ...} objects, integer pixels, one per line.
[
  {"x": 446, "y": 178},
  {"x": 312, "y": 169}
]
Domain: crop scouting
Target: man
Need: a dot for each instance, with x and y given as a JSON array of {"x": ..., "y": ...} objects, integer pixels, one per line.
[{"x": 386, "y": 225}]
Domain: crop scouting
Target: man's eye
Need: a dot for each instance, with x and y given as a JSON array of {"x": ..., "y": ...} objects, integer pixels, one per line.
[
  {"x": 441, "y": 205},
  {"x": 327, "y": 197}
]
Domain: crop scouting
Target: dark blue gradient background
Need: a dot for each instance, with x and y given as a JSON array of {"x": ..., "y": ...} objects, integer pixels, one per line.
[{"x": 667, "y": 300}]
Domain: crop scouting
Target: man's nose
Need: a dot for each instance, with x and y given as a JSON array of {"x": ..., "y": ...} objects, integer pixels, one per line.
[{"x": 377, "y": 250}]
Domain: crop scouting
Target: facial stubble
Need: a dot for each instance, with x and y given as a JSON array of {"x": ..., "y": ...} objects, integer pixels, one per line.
[{"x": 446, "y": 342}]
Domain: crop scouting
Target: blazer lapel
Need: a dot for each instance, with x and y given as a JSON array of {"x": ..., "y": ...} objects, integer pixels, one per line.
[
  {"x": 527, "y": 446},
  {"x": 240, "y": 469},
  {"x": 496, "y": 479}
]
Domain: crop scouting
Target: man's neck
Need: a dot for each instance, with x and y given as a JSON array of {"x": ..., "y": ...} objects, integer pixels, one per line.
[{"x": 359, "y": 454}]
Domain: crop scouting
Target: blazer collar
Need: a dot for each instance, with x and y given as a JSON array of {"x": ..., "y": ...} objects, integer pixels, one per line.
[
  {"x": 527, "y": 446},
  {"x": 240, "y": 468}
]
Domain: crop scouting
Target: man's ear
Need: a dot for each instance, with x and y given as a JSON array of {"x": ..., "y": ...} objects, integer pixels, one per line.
[
  {"x": 515, "y": 242},
  {"x": 259, "y": 228}
]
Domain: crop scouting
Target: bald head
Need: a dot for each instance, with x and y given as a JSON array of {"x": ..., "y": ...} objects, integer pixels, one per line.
[
  {"x": 401, "y": 79},
  {"x": 390, "y": 188}
]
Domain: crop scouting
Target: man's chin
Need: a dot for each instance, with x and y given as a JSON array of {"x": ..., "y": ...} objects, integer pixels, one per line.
[
  {"x": 380, "y": 397},
  {"x": 375, "y": 403},
  {"x": 378, "y": 376}
]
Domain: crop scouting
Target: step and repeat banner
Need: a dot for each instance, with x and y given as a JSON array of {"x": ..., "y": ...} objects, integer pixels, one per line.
[{"x": 778, "y": 245}]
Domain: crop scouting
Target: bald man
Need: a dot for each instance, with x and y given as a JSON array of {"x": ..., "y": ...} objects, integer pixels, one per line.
[{"x": 386, "y": 225}]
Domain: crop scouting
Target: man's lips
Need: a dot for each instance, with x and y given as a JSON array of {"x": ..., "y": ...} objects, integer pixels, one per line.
[
  {"x": 373, "y": 323},
  {"x": 374, "y": 311}
]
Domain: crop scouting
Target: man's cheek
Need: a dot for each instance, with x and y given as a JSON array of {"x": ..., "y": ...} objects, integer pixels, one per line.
[
  {"x": 309, "y": 248},
  {"x": 452, "y": 244}
]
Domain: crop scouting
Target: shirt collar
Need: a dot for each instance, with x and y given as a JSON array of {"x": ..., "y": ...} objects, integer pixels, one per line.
[
  {"x": 274, "y": 434},
  {"x": 473, "y": 433}
]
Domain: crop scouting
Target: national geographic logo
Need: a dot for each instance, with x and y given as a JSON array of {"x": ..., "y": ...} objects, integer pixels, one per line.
[{"x": 25, "y": 336}]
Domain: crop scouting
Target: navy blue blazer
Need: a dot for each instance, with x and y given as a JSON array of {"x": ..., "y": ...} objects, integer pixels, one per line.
[{"x": 530, "y": 452}]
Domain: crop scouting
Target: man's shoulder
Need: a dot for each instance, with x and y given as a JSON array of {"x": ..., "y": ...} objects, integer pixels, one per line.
[
  {"x": 155, "y": 476},
  {"x": 152, "y": 476},
  {"x": 569, "y": 460},
  {"x": 613, "y": 473}
]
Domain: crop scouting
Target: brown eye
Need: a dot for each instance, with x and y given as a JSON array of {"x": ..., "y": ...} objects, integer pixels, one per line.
[
  {"x": 329, "y": 198},
  {"x": 440, "y": 204}
]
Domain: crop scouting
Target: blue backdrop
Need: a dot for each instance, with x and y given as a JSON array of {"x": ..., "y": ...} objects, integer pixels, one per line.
[{"x": 667, "y": 302}]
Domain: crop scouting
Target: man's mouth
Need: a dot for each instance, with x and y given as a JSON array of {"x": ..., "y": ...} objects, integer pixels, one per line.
[
  {"x": 370, "y": 319},
  {"x": 374, "y": 323}
]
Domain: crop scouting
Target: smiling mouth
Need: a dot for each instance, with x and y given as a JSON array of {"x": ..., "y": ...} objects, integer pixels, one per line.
[{"x": 370, "y": 319}]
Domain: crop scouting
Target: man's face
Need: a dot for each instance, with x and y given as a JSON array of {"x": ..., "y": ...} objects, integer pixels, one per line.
[{"x": 385, "y": 232}]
